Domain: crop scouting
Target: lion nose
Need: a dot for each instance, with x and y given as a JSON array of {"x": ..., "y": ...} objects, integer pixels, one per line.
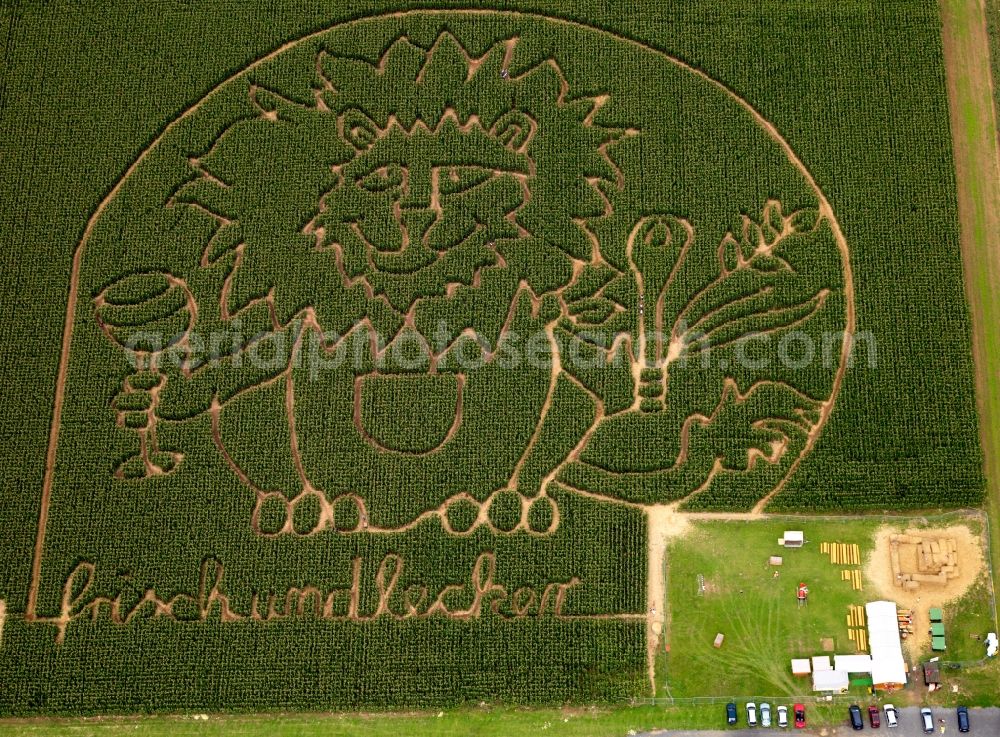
[
  {"x": 421, "y": 182},
  {"x": 416, "y": 223}
]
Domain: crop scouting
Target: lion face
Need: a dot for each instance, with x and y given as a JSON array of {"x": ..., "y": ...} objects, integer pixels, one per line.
[{"x": 417, "y": 210}]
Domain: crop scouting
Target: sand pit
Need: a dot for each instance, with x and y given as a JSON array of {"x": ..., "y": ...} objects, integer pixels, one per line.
[{"x": 879, "y": 571}]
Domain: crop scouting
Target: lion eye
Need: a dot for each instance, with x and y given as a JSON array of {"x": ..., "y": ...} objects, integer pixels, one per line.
[
  {"x": 382, "y": 179},
  {"x": 455, "y": 179}
]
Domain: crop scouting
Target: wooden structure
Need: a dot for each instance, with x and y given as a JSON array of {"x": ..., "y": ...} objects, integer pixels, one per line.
[
  {"x": 842, "y": 554},
  {"x": 932, "y": 673},
  {"x": 936, "y": 560},
  {"x": 859, "y": 637},
  {"x": 854, "y": 576},
  {"x": 855, "y": 616}
]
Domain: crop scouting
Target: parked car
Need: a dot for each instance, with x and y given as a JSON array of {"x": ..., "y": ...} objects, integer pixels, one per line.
[
  {"x": 873, "y": 717},
  {"x": 751, "y": 714},
  {"x": 765, "y": 715},
  {"x": 730, "y": 713},
  {"x": 891, "y": 717},
  {"x": 854, "y": 712},
  {"x": 927, "y": 716},
  {"x": 783, "y": 717},
  {"x": 963, "y": 718},
  {"x": 800, "y": 716}
]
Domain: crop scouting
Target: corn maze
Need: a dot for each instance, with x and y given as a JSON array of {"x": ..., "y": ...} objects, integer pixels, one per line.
[{"x": 377, "y": 355}]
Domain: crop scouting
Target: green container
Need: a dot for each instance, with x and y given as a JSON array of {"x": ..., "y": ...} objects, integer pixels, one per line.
[
  {"x": 937, "y": 629},
  {"x": 936, "y": 615},
  {"x": 937, "y": 643}
]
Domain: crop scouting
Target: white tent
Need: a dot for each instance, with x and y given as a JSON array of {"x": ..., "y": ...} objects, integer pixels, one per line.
[
  {"x": 888, "y": 666},
  {"x": 830, "y": 680},
  {"x": 801, "y": 667},
  {"x": 821, "y": 662},
  {"x": 853, "y": 663},
  {"x": 792, "y": 539}
]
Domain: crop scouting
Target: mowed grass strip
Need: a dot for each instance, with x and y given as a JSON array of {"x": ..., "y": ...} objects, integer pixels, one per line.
[
  {"x": 977, "y": 163},
  {"x": 484, "y": 722},
  {"x": 477, "y": 722}
]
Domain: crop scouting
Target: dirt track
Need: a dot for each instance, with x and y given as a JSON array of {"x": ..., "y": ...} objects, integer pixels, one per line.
[{"x": 663, "y": 524}]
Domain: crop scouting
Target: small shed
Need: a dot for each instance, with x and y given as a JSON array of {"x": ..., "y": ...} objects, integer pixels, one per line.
[
  {"x": 801, "y": 667},
  {"x": 932, "y": 673},
  {"x": 775, "y": 560},
  {"x": 821, "y": 663},
  {"x": 792, "y": 539},
  {"x": 830, "y": 681}
]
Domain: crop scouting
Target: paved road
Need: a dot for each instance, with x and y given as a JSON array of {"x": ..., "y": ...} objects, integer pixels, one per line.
[{"x": 985, "y": 722}]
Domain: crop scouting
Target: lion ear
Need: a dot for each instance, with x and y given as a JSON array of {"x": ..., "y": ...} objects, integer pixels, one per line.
[
  {"x": 357, "y": 129},
  {"x": 514, "y": 130},
  {"x": 274, "y": 107}
]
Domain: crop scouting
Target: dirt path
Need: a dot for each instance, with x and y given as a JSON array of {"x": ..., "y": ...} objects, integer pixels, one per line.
[
  {"x": 878, "y": 570},
  {"x": 663, "y": 524},
  {"x": 57, "y": 405},
  {"x": 977, "y": 169}
]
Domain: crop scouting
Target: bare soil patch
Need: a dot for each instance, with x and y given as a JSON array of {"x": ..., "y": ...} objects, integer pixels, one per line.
[{"x": 879, "y": 572}]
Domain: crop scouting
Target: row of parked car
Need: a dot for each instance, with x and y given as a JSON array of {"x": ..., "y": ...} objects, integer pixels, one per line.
[
  {"x": 857, "y": 721},
  {"x": 798, "y": 714},
  {"x": 892, "y": 717}
]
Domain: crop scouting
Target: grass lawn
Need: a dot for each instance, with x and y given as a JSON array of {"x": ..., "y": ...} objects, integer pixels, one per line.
[
  {"x": 760, "y": 616},
  {"x": 976, "y": 154},
  {"x": 977, "y": 687},
  {"x": 971, "y": 615},
  {"x": 968, "y": 616}
]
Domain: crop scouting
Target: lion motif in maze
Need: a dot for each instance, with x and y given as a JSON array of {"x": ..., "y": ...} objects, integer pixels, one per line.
[
  {"x": 420, "y": 254},
  {"x": 422, "y": 201},
  {"x": 457, "y": 282}
]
